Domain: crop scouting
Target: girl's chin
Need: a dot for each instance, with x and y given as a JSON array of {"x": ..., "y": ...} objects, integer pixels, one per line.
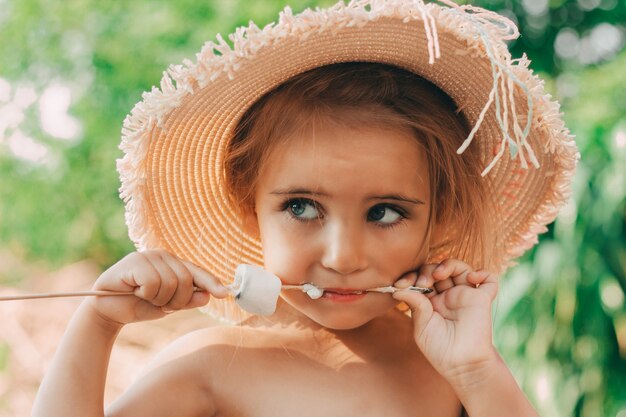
[
  {"x": 340, "y": 320},
  {"x": 335, "y": 316},
  {"x": 343, "y": 325}
]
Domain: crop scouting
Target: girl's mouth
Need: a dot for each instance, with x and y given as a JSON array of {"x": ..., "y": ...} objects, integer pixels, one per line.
[{"x": 343, "y": 295}]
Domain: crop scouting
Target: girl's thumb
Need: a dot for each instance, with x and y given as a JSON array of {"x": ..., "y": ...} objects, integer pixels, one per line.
[
  {"x": 206, "y": 281},
  {"x": 420, "y": 305}
]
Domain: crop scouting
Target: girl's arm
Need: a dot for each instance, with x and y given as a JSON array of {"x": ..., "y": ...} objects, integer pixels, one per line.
[
  {"x": 76, "y": 377},
  {"x": 452, "y": 327},
  {"x": 160, "y": 283},
  {"x": 491, "y": 390}
]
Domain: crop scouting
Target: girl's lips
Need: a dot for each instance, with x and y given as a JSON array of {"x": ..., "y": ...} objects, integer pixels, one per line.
[
  {"x": 343, "y": 295},
  {"x": 344, "y": 290}
]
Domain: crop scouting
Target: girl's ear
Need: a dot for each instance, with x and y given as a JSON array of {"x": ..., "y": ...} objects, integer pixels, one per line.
[{"x": 251, "y": 223}]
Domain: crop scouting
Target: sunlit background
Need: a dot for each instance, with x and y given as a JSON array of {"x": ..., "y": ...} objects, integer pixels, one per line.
[{"x": 71, "y": 70}]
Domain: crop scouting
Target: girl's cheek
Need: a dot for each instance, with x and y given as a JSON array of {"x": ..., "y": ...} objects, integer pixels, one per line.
[
  {"x": 401, "y": 249},
  {"x": 287, "y": 250}
]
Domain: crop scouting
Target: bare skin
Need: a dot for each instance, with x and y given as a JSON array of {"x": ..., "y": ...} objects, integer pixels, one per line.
[
  {"x": 328, "y": 372},
  {"x": 347, "y": 210}
]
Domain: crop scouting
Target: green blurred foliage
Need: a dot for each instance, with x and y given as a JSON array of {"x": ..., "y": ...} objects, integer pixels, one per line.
[
  {"x": 560, "y": 320},
  {"x": 107, "y": 53}
]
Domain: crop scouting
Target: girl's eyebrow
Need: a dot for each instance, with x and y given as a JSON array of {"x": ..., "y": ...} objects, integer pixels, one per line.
[
  {"x": 304, "y": 191},
  {"x": 396, "y": 197},
  {"x": 290, "y": 191}
]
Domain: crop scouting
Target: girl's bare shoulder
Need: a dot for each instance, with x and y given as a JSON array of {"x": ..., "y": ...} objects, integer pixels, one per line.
[
  {"x": 190, "y": 376},
  {"x": 218, "y": 353},
  {"x": 208, "y": 344}
]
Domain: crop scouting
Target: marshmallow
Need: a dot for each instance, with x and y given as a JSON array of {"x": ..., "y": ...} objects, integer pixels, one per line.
[
  {"x": 312, "y": 291},
  {"x": 256, "y": 290}
]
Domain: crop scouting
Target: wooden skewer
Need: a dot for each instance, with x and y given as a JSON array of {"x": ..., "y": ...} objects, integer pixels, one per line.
[
  {"x": 196, "y": 289},
  {"x": 100, "y": 293},
  {"x": 62, "y": 294}
]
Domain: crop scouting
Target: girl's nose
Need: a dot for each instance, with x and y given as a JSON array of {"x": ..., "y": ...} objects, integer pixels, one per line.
[{"x": 344, "y": 249}]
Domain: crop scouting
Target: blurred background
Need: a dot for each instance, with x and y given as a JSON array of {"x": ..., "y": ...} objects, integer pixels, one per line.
[{"x": 71, "y": 70}]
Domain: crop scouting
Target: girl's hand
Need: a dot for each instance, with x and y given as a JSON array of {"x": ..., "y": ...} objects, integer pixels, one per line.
[
  {"x": 452, "y": 325},
  {"x": 158, "y": 283}
]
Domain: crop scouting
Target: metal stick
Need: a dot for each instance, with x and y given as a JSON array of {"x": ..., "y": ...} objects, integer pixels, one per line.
[
  {"x": 388, "y": 289},
  {"x": 391, "y": 289}
]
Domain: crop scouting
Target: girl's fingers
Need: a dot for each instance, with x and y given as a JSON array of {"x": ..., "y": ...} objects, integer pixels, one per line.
[
  {"x": 441, "y": 286},
  {"x": 449, "y": 273},
  {"x": 173, "y": 286},
  {"x": 440, "y": 282},
  {"x": 184, "y": 289},
  {"x": 485, "y": 282},
  {"x": 202, "y": 279},
  {"x": 425, "y": 274},
  {"x": 198, "y": 299},
  {"x": 425, "y": 279},
  {"x": 417, "y": 278},
  {"x": 161, "y": 280},
  {"x": 187, "y": 277},
  {"x": 475, "y": 278},
  {"x": 168, "y": 280},
  {"x": 143, "y": 277},
  {"x": 406, "y": 280},
  {"x": 421, "y": 308},
  {"x": 452, "y": 269}
]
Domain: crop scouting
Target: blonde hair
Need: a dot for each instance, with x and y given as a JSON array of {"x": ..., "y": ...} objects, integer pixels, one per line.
[{"x": 357, "y": 94}]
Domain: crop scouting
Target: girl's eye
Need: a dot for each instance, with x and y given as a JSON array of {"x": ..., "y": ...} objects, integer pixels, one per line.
[
  {"x": 384, "y": 214},
  {"x": 302, "y": 209}
]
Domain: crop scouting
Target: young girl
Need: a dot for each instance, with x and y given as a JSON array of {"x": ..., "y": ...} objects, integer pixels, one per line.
[{"x": 374, "y": 144}]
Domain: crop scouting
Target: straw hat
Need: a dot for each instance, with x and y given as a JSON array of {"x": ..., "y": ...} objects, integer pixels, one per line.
[{"x": 175, "y": 139}]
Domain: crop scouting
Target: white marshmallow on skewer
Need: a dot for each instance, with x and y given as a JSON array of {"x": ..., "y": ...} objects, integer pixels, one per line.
[
  {"x": 256, "y": 290},
  {"x": 312, "y": 291}
]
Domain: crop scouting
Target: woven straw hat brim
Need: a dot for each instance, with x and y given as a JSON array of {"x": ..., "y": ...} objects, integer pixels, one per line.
[{"x": 175, "y": 140}]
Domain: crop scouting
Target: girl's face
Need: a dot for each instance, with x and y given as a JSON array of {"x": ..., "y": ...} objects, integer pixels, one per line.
[{"x": 345, "y": 210}]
